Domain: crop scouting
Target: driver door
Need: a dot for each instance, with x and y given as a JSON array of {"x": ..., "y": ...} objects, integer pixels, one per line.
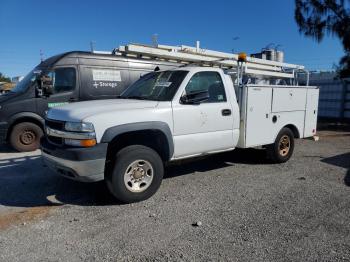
[
  {"x": 205, "y": 127},
  {"x": 65, "y": 89}
]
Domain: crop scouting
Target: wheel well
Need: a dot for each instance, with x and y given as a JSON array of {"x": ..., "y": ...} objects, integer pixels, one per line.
[
  {"x": 294, "y": 129},
  {"x": 154, "y": 139},
  {"x": 21, "y": 120}
]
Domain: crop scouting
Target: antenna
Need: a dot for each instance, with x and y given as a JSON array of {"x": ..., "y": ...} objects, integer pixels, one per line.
[
  {"x": 235, "y": 38},
  {"x": 155, "y": 40},
  {"x": 41, "y": 55},
  {"x": 92, "y": 46}
]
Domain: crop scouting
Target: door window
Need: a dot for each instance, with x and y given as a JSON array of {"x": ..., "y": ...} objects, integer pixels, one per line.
[
  {"x": 210, "y": 82},
  {"x": 64, "y": 80}
]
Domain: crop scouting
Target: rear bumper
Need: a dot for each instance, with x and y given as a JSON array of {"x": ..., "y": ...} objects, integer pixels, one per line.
[
  {"x": 81, "y": 164},
  {"x": 3, "y": 132}
]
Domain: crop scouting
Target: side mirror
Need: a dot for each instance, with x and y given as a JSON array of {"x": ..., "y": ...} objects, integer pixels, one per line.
[
  {"x": 195, "y": 98},
  {"x": 46, "y": 83}
]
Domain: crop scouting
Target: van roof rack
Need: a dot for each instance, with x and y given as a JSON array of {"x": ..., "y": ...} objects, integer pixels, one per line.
[{"x": 205, "y": 57}]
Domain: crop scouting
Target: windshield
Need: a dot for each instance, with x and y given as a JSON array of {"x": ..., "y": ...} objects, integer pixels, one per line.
[
  {"x": 27, "y": 81},
  {"x": 159, "y": 86}
]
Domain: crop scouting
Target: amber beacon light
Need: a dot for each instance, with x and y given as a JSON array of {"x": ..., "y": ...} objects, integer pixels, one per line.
[{"x": 242, "y": 57}]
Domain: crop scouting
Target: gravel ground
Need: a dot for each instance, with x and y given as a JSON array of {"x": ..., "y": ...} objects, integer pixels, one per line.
[{"x": 233, "y": 206}]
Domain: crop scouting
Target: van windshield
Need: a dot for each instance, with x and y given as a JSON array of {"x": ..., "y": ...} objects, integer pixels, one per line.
[
  {"x": 27, "y": 81},
  {"x": 159, "y": 86}
]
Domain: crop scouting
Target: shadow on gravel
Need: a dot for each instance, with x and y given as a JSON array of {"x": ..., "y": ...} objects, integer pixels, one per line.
[
  {"x": 342, "y": 160},
  {"x": 238, "y": 156},
  {"x": 27, "y": 182},
  {"x": 347, "y": 178}
]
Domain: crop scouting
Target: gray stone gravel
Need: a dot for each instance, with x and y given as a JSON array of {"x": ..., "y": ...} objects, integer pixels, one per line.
[{"x": 249, "y": 210}]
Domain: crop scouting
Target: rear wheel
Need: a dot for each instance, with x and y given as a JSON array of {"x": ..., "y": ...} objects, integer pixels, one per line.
[
  {"x": 282, "y": 150},
  {"x": 26, "y": 137},
  {"x": 136, "y": 175}
]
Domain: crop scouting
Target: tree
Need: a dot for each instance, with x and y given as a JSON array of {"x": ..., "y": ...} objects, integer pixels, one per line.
[
  {"x": 4, "y": 78},
  {"x": 317, "y": 18}
]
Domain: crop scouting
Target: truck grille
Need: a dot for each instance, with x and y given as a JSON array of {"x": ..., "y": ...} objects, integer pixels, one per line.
[
  {"x": 55, "y": 124},
  {"x": 58, "y": 125},
  {"x": 55, "y": 140}
]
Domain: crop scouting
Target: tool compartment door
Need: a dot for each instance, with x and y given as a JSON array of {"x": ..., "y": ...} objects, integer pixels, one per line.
[
  {"x": 311, "y": 112},
  {"x": 288, "y": 99},
  {"x": 258, "y": 116}
]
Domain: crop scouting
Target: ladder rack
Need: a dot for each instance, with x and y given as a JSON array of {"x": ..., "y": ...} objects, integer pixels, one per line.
[{"x": 204, "y": 57}]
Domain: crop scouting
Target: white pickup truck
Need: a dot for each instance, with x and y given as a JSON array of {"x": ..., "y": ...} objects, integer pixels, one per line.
[{"x": 170, "y": 115}]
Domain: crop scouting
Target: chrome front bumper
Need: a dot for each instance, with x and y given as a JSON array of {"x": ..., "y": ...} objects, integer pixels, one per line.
[{"x": 84, "y": 171}]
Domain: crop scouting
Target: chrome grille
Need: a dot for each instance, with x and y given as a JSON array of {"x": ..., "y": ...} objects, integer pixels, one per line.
[{"x": 57, "y": 125}]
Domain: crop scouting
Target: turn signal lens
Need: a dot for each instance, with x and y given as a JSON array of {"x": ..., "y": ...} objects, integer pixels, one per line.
[
  {"x": 88, "y": 142},
  {"x": 80, "y": 143}
]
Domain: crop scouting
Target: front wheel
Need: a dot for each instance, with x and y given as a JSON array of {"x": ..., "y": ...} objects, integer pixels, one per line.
[
  {"x": 282, "y": 150},
  {"x": 137, "y": 174},
  {"x": 26, "y": 137}
]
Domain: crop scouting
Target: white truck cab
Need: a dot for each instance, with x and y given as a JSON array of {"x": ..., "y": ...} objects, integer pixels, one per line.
[{"x": 174, "y": 114}]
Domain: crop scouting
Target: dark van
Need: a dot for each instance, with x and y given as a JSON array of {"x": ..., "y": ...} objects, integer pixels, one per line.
[{"x": 74, "y": 76}]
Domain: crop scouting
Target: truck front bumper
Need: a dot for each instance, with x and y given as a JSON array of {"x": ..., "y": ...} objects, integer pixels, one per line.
[
  {"x": 81, "y": 164},
  {"x": 3, "y": 132}
]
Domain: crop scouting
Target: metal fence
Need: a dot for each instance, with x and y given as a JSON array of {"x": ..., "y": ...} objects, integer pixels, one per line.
[{"x": 334, "y": 101}]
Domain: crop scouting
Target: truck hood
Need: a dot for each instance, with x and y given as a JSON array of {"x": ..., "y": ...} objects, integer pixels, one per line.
[{"x": 76, "y": 112}]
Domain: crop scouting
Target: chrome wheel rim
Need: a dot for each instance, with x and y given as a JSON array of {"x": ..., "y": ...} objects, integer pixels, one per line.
[
  {"x": 138, "y": 176},
  {"x": 284, "y": 145}
]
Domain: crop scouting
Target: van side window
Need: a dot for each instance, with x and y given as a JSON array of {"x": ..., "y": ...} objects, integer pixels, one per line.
[
  {"x": 207, "y": 81},
  {"x": 64, "y": 80}
]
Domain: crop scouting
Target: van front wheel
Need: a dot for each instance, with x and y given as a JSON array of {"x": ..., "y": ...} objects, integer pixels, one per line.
[
  {"x": 26, "y": 137},
  {"x": 137, "y": 174},
  {"x": 282, "y": 150}
]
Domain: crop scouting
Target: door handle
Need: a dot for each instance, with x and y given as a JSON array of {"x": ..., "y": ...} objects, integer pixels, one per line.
[{"x": 226, "y": 112}]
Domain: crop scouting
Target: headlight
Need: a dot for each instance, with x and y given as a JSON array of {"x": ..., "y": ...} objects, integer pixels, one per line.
[{"x": 79, "y": 127}]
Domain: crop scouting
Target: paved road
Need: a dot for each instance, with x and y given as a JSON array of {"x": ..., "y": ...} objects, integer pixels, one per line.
[{"x": 249, "y": 210}]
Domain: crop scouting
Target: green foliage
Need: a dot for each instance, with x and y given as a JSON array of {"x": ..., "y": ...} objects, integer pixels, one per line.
[
  {"x": 317, "y": 18},
  {"x": 4, "y": 78}
]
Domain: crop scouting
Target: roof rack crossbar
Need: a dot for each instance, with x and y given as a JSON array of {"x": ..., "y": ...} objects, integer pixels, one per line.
[{"x": 194, "y": 55}]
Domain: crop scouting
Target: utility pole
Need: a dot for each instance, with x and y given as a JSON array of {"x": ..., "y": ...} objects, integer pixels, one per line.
[
  {"x": 155, "y": 40},
  {"x": 41, "y": 55},
  {"x": 92, "y": 46}
]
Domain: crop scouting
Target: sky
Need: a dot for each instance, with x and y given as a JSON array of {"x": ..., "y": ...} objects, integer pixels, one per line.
[{"x": 28, "y": 26}]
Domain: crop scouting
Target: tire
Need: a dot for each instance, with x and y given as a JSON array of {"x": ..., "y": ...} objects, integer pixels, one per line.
[
  {"x": 26, "y": 137},
  {"x": 136, "y": 175},
  {"x": 282, "y": 150}
]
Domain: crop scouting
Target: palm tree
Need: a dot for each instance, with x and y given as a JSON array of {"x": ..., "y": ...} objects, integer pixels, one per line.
[{"x": 317, "y": 18}]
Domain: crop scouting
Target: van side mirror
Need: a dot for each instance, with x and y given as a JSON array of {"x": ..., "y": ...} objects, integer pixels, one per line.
[
  {"x": 195, "y": 98},
  {"x": 46, "y": 84}
]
